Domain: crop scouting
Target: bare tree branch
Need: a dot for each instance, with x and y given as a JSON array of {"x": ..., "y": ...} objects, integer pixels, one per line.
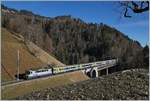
[
  {"x": 138, "y": 9},
  {"x": 135, "y": 7},
  {"x": 142, "y": 4},
  {"x": 125, "y": 13}
]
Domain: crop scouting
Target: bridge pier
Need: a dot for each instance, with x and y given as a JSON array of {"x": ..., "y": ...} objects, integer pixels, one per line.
[
  {"x": 91, "y": 72},
  {"x": 103, "y": 67},
  {"x": 106, "y": 71}
]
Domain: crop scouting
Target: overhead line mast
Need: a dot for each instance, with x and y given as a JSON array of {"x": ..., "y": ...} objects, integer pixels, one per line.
[{"x": 18, "y": 61}]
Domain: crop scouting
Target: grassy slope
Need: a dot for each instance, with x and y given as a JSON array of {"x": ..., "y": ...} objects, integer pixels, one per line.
[
  {"x": 10, "y": 44},
  {"x": 42, "y": 55},
  {"x": 42, "y": 84},
  {"x": 9, "y": 55}
]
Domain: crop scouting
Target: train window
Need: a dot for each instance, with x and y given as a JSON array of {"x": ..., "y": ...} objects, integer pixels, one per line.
[
  {"x": 44, "y": 70},
  {"x": 87, "y": 64},
  {"x": 27, "y": 72},
  {"x": 61, "y": 68},
  {"x": 67, "y": 68},
  {"x": 98, "y": 63},
  {"x": 38, "y": 71},
  {"x": 41, "y": 70},
  {"x": 73, "y": 67}
]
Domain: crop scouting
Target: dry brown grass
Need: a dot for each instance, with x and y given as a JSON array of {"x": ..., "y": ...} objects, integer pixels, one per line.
[
  {"x": 9, "y": 47},
  {"x": 10, "y": 44},
  {"x": 42, "y": 83},
  {"x": 42, "y": 55},
  {"x": 9, "y": 56}
]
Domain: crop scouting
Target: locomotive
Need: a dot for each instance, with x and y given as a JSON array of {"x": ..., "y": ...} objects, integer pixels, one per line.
[{"x": 49, "y": 70}]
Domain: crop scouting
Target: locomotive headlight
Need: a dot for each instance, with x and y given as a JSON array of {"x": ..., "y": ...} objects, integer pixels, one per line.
[{"x": 26, "y": 76}]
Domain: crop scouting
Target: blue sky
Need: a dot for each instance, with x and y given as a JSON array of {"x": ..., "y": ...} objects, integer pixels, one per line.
[{"x": 137, "y": 27}]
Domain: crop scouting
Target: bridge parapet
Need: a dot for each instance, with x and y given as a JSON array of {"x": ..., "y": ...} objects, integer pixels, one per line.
[{"x": 98, "y": 66}]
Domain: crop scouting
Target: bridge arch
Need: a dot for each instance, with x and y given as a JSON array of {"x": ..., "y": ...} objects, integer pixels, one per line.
[{"x": 94, "y": 73}]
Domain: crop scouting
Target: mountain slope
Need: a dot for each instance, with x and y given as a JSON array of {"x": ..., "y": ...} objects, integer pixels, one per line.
[
  {"x": 42, "y": 55},
  {"x": 10, "y": 44},
  {"x": 9, "y": 48},
  {"x": 72, "y": 40}
]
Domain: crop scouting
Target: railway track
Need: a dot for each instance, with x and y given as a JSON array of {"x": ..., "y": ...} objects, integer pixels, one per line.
[
  {"x": 12, "y": 83},
  {"x": 15, "y": 82}
]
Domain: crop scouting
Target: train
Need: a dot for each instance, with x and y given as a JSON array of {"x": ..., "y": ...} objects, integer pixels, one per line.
[{"x": 49, "y": 70}]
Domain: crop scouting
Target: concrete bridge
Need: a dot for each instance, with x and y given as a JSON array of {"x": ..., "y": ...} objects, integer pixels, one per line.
[{"x": 99, "y": 66}]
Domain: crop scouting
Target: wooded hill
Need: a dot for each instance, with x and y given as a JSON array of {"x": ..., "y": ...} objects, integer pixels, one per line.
[{"x": 74, "y": 41}]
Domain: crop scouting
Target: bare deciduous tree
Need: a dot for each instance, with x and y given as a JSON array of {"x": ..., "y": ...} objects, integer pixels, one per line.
[{"x": 134, "y": 6}]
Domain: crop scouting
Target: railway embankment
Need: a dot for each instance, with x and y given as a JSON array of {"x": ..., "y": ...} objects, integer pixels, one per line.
[
  {"x": 128, "y": 84},
  {"x": 26, "y": 87},
  {"x": 11, "y": 42}
]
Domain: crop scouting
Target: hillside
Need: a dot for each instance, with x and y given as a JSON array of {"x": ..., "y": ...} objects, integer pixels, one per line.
[
  {"x": 65, "y": 40},
  {"x": 10, "y": 45},
  {"x": 126, "y": 85},
  {"x": 42, "y": 55},
  {"x": 72, "y": 40},
  {"x": 28, "y": 60},
  {"x": 42, "y": 83}
]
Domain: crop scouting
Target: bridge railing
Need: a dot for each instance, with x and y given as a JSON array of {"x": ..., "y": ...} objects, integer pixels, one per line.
[{"x": 99, "y": 64}]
